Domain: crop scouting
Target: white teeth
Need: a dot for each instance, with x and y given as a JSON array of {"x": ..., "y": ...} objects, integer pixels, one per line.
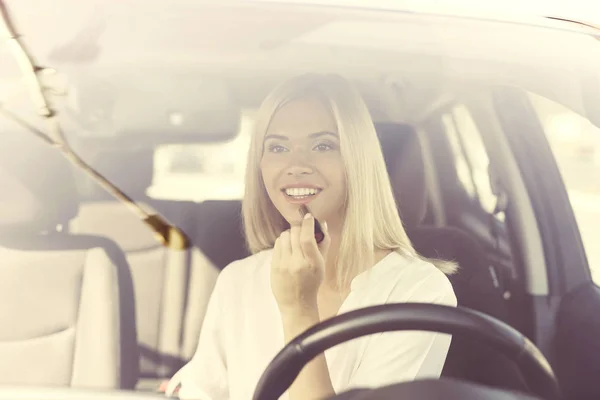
[{"x": 301, "y": 191}]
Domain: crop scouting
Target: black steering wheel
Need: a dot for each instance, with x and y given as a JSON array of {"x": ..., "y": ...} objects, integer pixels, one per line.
[{"x": 285, "y": 367}]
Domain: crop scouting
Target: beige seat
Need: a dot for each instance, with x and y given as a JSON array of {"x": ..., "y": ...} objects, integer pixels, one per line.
[
  {"x": 66, "y": 301},
  {"x": 172, "y": 288}
]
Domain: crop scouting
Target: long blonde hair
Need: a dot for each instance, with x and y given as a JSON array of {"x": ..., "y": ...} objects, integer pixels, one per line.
[{"x": 371, "y": 217}]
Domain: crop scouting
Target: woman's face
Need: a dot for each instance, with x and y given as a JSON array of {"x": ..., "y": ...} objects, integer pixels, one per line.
[{"x": 302, "y": 163}]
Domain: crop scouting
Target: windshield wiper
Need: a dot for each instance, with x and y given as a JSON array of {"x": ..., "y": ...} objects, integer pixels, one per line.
[{"x": 168, "y": 234}]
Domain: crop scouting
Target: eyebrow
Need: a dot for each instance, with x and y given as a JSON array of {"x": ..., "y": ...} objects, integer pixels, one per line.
[{"x": 312, "y": 135}]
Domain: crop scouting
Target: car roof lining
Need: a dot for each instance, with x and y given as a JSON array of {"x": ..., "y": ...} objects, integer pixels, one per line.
[{"x": 284, "y": 43}]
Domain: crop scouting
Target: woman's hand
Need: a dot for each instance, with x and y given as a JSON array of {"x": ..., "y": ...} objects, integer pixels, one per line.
[
  {"x": 297, "y": 271},
  {"x": 298, "y": 267}
]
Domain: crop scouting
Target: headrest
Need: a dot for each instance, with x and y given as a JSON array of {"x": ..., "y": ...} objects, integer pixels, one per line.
[
  {"x": 37, "y": 185},
  {"x": 129, "y": 170},
  {"x": 406, "y": 167}
]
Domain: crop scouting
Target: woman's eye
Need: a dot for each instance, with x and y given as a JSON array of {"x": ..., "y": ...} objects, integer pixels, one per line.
[
  {"x": 324, "y": 147},
  {"x": 276, "y": 148}
]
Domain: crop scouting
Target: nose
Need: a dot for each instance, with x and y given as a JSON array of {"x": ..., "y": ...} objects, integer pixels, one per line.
[
  {"x": 299, "y": 170},
  {"x": 299, "y": 165}
]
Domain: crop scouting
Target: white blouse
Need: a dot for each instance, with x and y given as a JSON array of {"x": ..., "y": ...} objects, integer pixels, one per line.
[{"x": 242, "y": 331}]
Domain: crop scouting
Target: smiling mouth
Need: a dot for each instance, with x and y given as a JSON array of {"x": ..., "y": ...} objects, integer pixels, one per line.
[{"x": 301, "y": 193}]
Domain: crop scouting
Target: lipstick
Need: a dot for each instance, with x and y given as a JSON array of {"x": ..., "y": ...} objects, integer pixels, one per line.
[{"x": 319, "y": 235}]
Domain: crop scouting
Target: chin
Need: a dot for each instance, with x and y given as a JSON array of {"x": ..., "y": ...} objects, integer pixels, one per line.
[{"x": 290, "y": 213}]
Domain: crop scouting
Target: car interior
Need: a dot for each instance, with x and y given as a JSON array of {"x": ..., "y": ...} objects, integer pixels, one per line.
[
  {"x": 113, "y": 308},
  {"x": 487, "y": 280},
  {"x": 215, "y": 229}
]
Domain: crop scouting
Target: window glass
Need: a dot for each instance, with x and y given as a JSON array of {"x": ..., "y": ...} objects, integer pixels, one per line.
[
  {"x": 460, "y": 160},
  {"x": 200, "y": 172},
  {"x": 575, "y": 142},
  {"x": 471, "y": 158}
]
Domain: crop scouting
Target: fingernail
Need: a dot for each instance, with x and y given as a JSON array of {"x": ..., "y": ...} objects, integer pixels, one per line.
[{"x": 308, "y": 215}]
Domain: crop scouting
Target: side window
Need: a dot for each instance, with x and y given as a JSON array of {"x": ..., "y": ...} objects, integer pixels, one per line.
[
  {"x": 470, "y": 156},
  {"x": 575, "y": 143}
]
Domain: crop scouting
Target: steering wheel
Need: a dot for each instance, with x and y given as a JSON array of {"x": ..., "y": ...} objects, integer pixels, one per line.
[{"x": 287, "y": 364}]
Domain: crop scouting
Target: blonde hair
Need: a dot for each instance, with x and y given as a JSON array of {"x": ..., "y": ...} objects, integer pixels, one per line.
[{"x": 371, "y": 217}]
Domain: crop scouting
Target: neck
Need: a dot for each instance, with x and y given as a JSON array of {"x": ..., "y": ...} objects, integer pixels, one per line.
[{"x": 334, "y": 251}]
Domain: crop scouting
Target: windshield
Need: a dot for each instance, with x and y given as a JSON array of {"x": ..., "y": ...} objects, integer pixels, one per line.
[{"x": 166, "y": 108}]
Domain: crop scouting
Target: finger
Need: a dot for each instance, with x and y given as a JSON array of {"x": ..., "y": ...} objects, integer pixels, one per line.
[
  {"x": 310, "y": 250},
  {"x": 286, "y": 246},
  {"x": 172, "y": 387},
  {"x": 295, "y": 230},
  {"x": 277, "y": 252}
]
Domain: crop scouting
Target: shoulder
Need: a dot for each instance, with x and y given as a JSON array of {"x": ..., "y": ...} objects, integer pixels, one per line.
[
  {"x": 418, "y": 280},
  {"x": 246, "y": 270}
]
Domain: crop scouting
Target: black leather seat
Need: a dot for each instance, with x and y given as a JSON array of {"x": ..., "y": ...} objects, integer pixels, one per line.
[
  {"x": 405, "y": 163},
  {"x": 474, "y": 284}
]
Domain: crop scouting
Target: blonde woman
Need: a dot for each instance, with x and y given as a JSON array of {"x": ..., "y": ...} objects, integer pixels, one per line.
[{"x": 315, "y": 145}]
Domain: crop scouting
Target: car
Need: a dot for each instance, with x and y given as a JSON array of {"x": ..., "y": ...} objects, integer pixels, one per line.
[{"x": 104, "y": 281}]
